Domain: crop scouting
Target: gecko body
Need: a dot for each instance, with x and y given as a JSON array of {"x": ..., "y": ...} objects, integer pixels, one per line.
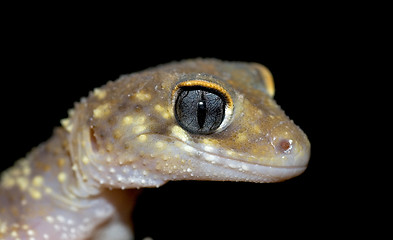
[{"x": 201, "y": 119}]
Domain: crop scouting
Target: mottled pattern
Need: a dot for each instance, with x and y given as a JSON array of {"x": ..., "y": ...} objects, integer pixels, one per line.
[{"x": 124, "y": 135}]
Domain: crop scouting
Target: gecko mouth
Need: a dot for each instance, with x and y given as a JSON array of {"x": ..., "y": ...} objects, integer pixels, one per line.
[
  {"x": 242, "y": 170},
  {"x": 233, "y": 168}
]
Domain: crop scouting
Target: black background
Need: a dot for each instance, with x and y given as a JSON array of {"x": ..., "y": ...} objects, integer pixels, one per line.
[{"x": 46, "y": 68}]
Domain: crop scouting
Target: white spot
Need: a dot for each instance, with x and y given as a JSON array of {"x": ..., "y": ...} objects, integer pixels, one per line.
[
  {"x": 64, "y": 236},
  {"x": 189, "y": 149},
  {"x": 49, "y": 219},
  {"x": 210, "y": 157},
  {"x": 46, "y": 236},
  {"x": 245, "y": 167},
  {"x": 112, "y": 170},
  {"x": 208, "y": 148},
  {"x": 120, "y": 178},
  {"x": 231, "y": 165},
  {"x": 70, "y": 222},
  {"x": 60, "y": 218}
]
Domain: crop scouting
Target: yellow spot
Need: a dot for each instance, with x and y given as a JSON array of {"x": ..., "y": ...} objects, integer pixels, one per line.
[
  {"x": 142, "y": 138},
  {"x": 207, "y": 141},
  {"x": 127, "y": 120},
  {"x": 257, "y": 129},
  {"x": 101, "y": 111},
  {"x": 66, "y": 123},
  {"x": 26, "y": 170},
  {"x": 138, "y": 129},
  {"x": 38, "y": 181},
  {"x": 14, "y": 234},
  {"x": 179, "y": 133},
  {"x": 99, "y": 93},
  {"x": 140, "y": 120},
  {"x": 159, "y": 108},
  {"x": 143, "y": 96},
  {"x": 3, "y": 227},
  {"x": 7, "y": 181},
  {"x": 85, "y": 160},
  {"x": 35, "y": 194},
  {"x": 117, "y": 134},
  {"x": 241, "y": 137},
  {"x": 62, "y": 176},
  {"x": 162, "y": 111},
  {"x": 48, "y": 190},
  {"x": 61, "y": 162}
]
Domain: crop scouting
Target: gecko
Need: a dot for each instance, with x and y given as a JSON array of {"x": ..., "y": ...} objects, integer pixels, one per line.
[{"x": 196, "y": 119}]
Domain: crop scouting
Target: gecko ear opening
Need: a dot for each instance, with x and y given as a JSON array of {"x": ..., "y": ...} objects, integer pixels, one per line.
[
  {"x": 93, "y": 140},
  {"x": 267, "y": 78}
]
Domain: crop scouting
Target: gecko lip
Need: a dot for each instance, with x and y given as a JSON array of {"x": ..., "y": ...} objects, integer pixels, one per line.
[
  {"x": 236, "y": 169},
  {"x": 255, "y": 172}
]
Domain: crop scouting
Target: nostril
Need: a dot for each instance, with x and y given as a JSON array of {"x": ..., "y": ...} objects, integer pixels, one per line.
[{"x": 284, "y": 145}]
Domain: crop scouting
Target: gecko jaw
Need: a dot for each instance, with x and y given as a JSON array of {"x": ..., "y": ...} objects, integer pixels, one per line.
[{"x": 209, "y": 165}]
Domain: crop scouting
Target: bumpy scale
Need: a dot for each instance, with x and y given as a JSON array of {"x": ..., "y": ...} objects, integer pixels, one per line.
[{"x": 200, "y": 119}]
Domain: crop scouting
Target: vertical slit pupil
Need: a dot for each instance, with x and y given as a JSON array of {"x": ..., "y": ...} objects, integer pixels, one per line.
[{"x": 201, "y": 110}]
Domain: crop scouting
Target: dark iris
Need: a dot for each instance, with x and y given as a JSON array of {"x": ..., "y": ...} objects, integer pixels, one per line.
[{"x": 199, "y": 110}]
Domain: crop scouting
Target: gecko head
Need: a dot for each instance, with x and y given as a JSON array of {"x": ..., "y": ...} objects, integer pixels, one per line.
[
  {"x": 234, "y": 128},
  {"x": 192, "y": 120}
]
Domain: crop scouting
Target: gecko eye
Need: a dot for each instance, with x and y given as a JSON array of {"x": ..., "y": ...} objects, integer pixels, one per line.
[{"x": 202, "y": 107}]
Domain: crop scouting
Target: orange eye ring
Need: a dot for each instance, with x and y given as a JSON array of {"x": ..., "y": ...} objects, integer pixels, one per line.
[{"x": 206, "y": 84}]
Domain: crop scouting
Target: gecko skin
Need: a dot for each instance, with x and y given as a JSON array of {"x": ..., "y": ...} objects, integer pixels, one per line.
[{"x": 201, "y": 119}]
